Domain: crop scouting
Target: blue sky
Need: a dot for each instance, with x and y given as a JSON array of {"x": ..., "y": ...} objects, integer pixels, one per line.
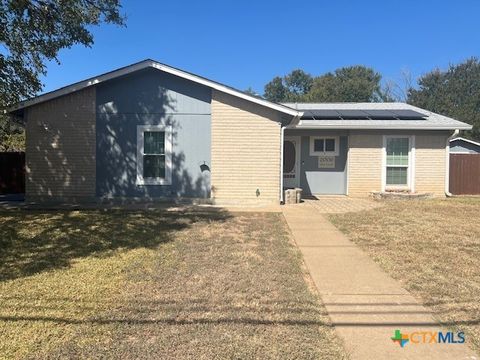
[{"x": 247, "y": 43}]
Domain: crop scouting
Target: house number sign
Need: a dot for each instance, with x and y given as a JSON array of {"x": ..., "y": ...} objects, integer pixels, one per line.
[{"x": 326, "y": 162}]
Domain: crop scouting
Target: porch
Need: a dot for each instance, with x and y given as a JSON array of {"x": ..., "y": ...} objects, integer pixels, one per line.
[{"x": 316, "y": 161}]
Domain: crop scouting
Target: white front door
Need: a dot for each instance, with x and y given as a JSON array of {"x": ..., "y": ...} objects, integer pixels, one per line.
[{"x": 291, "y": 162}]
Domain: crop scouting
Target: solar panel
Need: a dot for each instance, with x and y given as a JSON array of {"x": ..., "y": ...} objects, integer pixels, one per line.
[
  {"x": 380, "y": 114},
  {"x": 408, "y": 114},
  {"x": 321, "y": 114},
  {"x": 307, "y": 115},
  {"x": 359, "y": 114},
  {"x": 353, "y": 114}
]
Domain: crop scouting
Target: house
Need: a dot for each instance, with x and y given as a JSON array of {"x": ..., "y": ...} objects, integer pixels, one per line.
[
  {"x": 151, "y": 131},
  {"x": 460, "y": 145}
]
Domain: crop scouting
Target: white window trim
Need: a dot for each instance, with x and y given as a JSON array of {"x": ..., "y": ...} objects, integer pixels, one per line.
[
  {"x": 324, "y": 153},
  {"x": 411, "y": 164},
  {"x": 168, "y": 155}
]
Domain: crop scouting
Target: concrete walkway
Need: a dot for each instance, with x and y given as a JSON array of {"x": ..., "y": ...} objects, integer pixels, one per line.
[{"x": 365, "y": 304}]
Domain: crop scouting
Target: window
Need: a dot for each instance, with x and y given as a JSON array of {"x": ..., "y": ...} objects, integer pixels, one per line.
[
  {"x": 329, "y": 145},
  {"x": 154, "y": 155},
  {"x": 321, "y": 146},
  {"x": 398, "y": 164}
]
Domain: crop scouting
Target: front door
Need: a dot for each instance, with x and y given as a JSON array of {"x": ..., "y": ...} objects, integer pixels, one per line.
[{"x": 291, "y": 159}]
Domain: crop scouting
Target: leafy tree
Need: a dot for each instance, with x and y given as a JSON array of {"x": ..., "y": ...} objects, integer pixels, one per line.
[
  {"x": 275, "y": 90},
  {"x": 12, "y": 133},
  {"x": 33, "y": 32},
  {"x": 454, "y": 92},
  {"x": 291, "y": 87},
  {"x": 13, "y": 141},
  {"x": 324, "y": 89},
  {"x": 348, "y": 84},
  {"x": 298, "y": 83}
]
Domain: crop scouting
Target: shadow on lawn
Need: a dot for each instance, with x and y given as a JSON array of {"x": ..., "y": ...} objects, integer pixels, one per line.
[
  {"x": 235, "y": 320},
  {"x": 36, "y": 241},
  {"x": 144, "y": 312}
]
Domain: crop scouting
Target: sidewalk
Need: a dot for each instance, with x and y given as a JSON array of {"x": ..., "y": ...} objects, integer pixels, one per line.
[{"x": 365, "y": 304}]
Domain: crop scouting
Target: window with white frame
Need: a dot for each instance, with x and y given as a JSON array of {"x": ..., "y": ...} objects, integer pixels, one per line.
[
  {"x": 154, "y": 155},
  {"x": 324, "y": 146},
  {"x": 397, "y": 161}
]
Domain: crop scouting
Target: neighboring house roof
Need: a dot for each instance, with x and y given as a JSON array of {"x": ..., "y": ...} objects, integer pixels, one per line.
[
  {"x": 159, "y": 66},
  {"x": 461, "y": 145},
  {"x": 430, "y": 121},
  {"x": 466, "y": 140}
]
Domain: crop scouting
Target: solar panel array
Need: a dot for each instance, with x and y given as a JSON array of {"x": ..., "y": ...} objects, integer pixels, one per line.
[{"x": 343, "y": 114}]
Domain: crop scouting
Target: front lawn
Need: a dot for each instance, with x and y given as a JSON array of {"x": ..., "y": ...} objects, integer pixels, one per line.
[
  {"x": 156, "y": 284},
  {"x": 433, "y": 248}
]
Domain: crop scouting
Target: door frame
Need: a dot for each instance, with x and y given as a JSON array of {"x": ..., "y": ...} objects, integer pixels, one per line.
[{"x": 298, "y": 149}]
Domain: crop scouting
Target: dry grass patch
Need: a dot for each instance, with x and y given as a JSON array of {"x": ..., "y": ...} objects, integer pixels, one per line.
[
  {"x": 117, "y": 284},
  {"x": 433, "y": 248}
]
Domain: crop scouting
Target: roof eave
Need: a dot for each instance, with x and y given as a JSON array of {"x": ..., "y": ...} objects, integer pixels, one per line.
[
  {"x": 377, "y": 127},
  {"x": 466, "y": 140}
]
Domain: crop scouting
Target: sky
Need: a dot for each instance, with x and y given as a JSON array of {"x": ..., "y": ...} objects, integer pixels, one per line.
[{"x": 247, "y": 43}]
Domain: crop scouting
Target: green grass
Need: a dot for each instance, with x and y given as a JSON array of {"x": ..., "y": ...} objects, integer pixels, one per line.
[
  {"x": 433, "y": 248},
  {"x": 156, "y": 284}
]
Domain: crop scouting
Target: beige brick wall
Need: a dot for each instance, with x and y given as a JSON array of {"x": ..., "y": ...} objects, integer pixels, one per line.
[
  {"x": 245, "y": 151},
  {"x": 365, "y": 162},
  {"x": 60, "y": 148},
  {"x": 430, "y": 163}
]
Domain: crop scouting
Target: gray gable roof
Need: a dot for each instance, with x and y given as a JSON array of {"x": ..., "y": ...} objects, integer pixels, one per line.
[
  {"x": 431, "y": 121},
  {"x": 161, "y": 67}
]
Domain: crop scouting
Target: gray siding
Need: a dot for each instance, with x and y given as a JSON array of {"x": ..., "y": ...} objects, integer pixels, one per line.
[
  {"x": 314, "y": 180},
  {"x": 151, "y": 97},
  {"x": 460, "y": 146}
]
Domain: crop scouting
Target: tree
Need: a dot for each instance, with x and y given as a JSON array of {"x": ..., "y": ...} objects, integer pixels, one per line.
[
  {"x": 275, "y": 90},
  {"x": 454, "y": 92},
  {"x": 348, "y": 84},
  {"x": 250, "y": 91},
  {"x": 398, "y": 90},
  {"x": 33, "y": 32},
  {"x": 290, "y": 88},
  {"x": 298, "y": 83}
]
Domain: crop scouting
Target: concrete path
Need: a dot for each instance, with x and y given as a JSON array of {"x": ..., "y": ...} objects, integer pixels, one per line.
[{"x": 365, "y": 304}]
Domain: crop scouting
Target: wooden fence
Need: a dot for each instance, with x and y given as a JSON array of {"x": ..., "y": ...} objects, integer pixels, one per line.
[
  {"x": 12, "y": 172},
  {"x": 465, "y": 174}
]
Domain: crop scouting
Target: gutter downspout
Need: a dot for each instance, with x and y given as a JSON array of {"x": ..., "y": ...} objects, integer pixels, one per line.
[
  {"x": 282, "y": 136},
  {"x": 292, "y": 125},
  {"x": 447, "y": 163}
]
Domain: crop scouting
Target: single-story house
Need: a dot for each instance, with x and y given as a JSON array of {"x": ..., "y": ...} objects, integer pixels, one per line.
[
  {"x": 461, "y": 145},
  {"x": 152, "y": 131}
]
